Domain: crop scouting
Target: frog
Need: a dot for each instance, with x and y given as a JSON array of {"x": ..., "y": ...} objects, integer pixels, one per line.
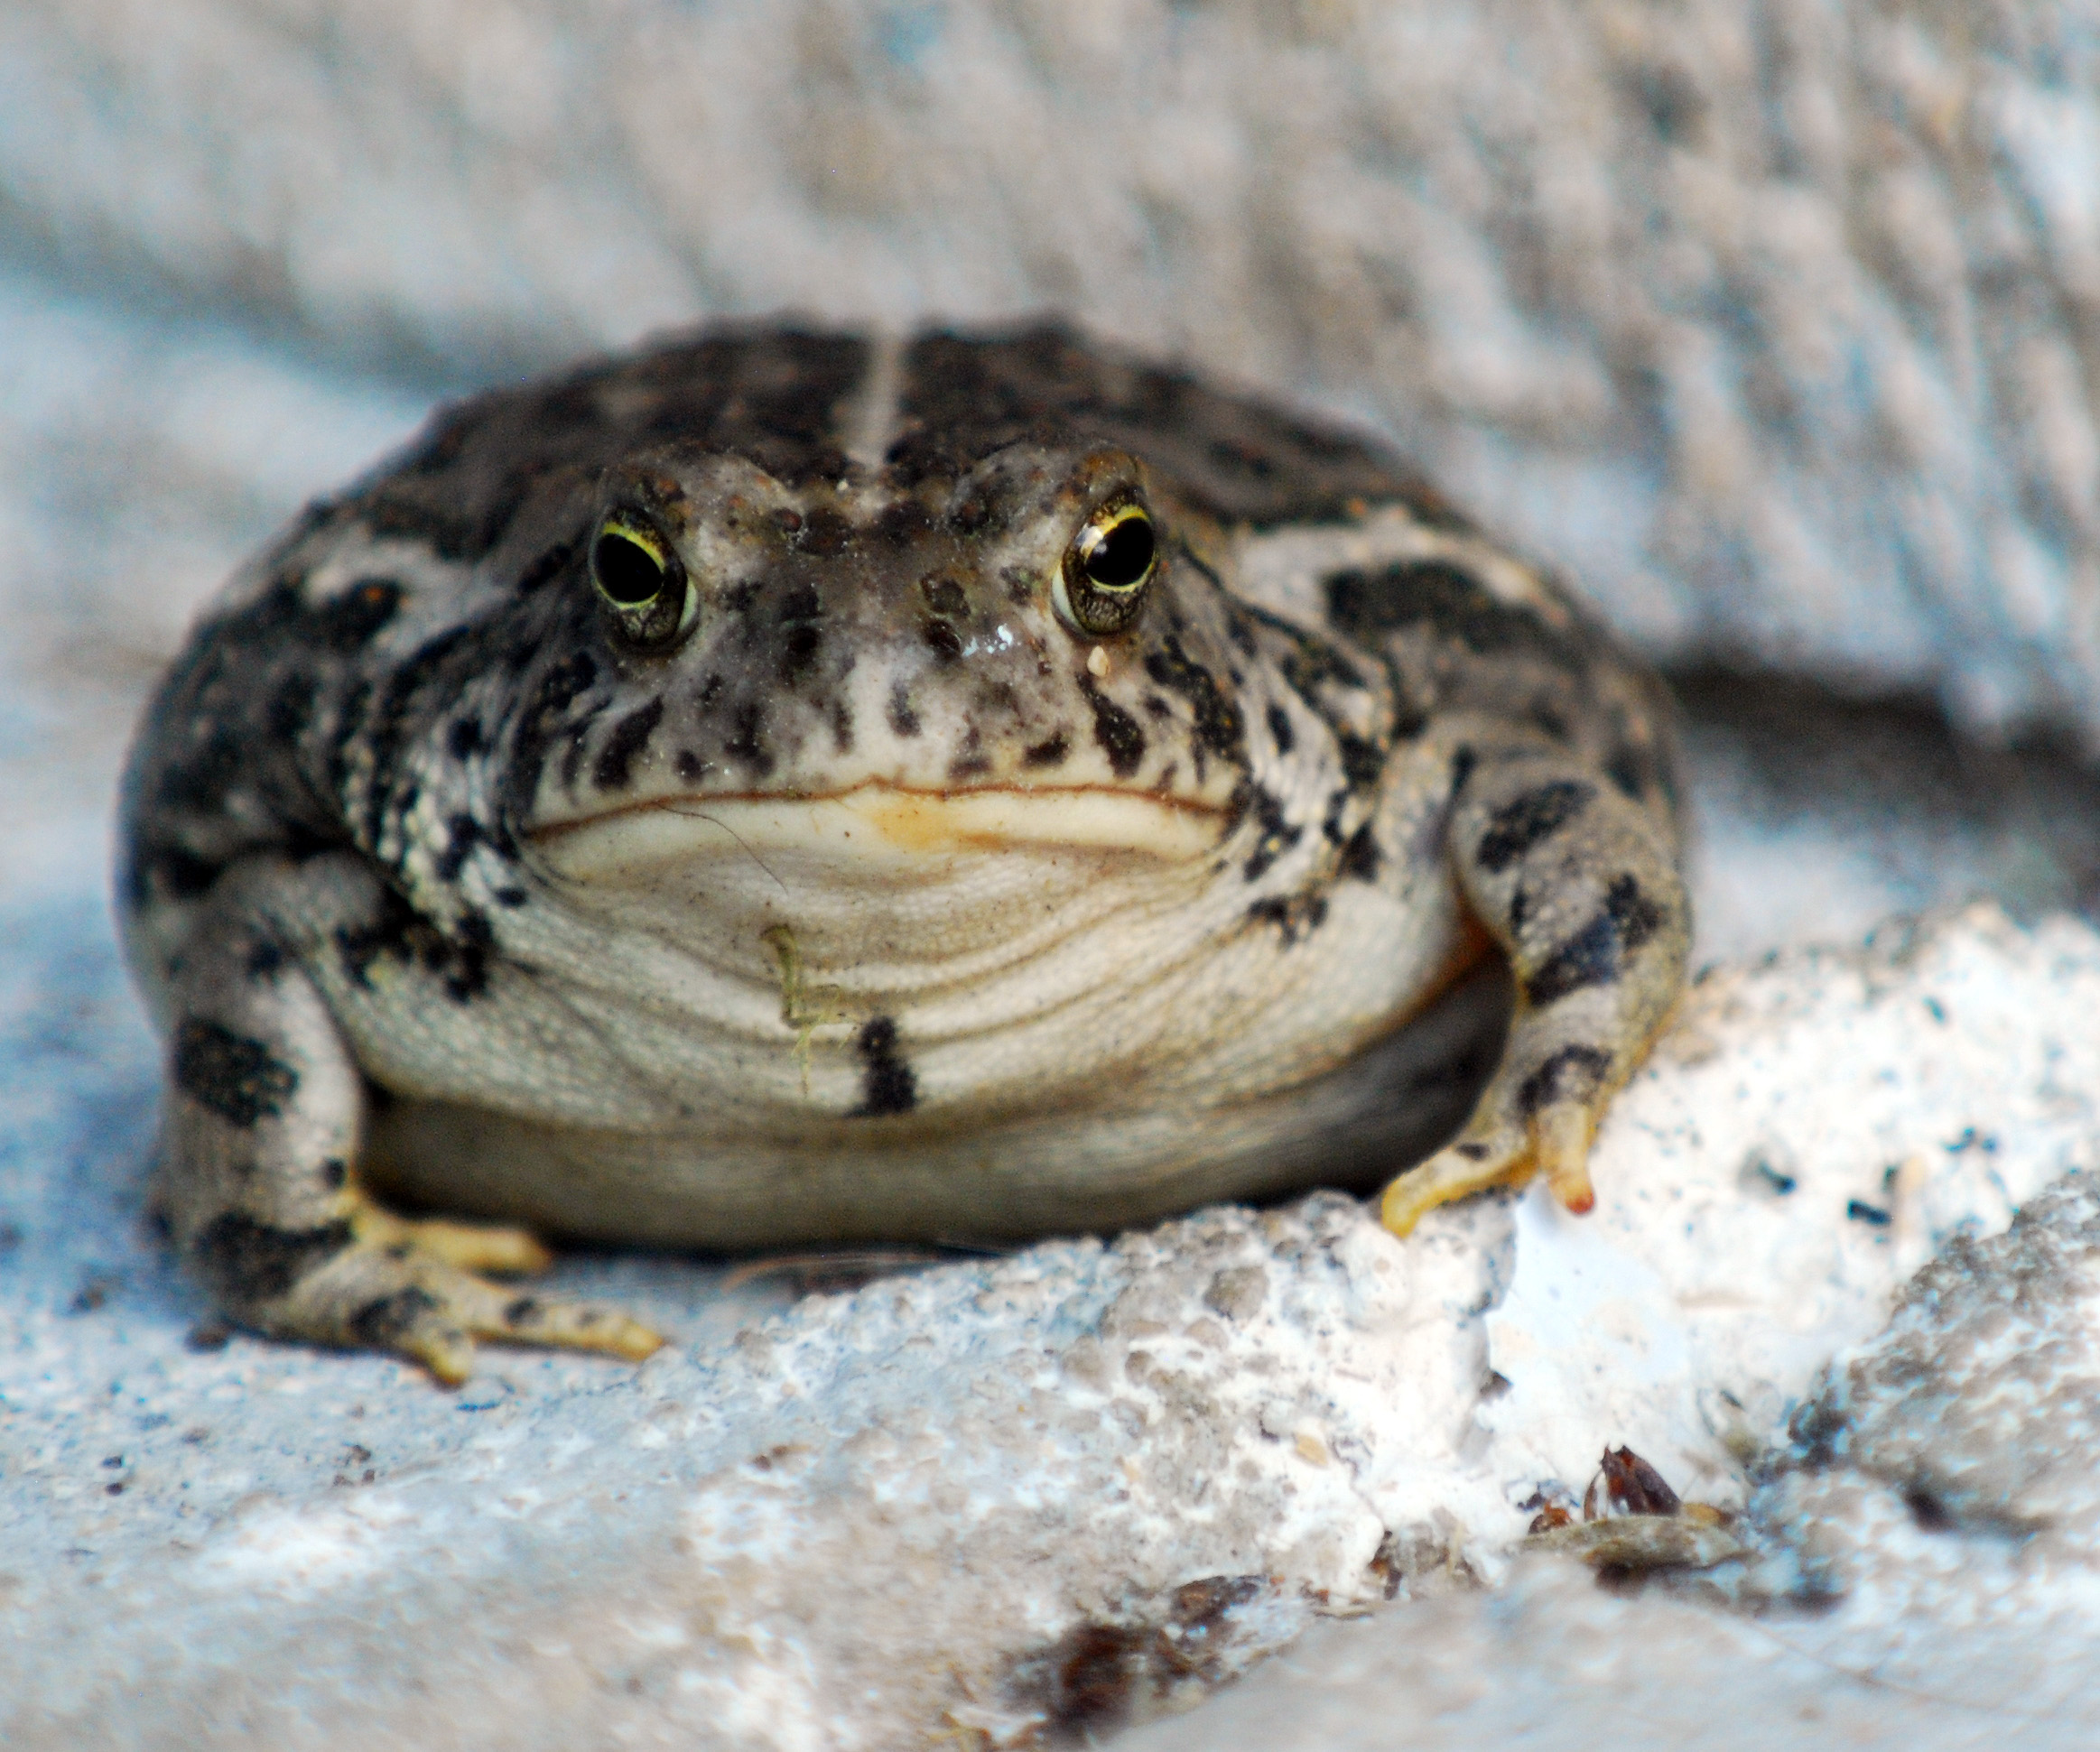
[{"x": 792, "y": 785}]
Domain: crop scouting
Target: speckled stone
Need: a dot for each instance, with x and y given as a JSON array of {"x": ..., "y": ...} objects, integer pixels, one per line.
[{"x": 1079, "y": 1484}]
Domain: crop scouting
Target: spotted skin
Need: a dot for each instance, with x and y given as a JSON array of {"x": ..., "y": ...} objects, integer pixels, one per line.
[{"x": 864, "y": 894}]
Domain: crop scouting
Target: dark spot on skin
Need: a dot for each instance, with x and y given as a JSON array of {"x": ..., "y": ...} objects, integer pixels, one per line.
[
  {"x": 942, "y": 639},
  {"x": 521, "y": 1309},
  {"x": 544, "y": 568},
  {"x": 181, "y": 876},
  {"x": 231, "y": 1075},
  {"x": 629, "y": 736},
  {"x": 1519, "y": 909},
  {"x": 462, "y": 834},
  {"x": 710, "y": 690},
  {"x": 1595, "y": 955},
  {"x": 1218, "y": 724},
  {"x": 1548, "y": 720},
  {"x": 798, "y": 652},
  {"x": 1277, "y": 834},
  {"x": 738, "y": 597},
  {"x": 511, "y": 897},
  {"x": 1360, "y": 857},
  {"x": 1117, "y": 732},
  {"x": 245, "y": 1262},
  {"x": 464, "y": 738},
  {"x": 1630, "y": 770},
  {"x": 746, "y": 745},
  {"x": 1049, "y": 753},
  {"x": 467, "y": 976},
  {"x": 334, "y": 1172},
  {"x": 1472, "y": 1152},
  {"x": 558, "y": 690},
  {"x": 1589, "y": 958},
  {"x": 688, "y": 765},
  {"x": 1331, "y": 822},
  {"x": 382, "y": 1323},
  {"x": 573, "y": 759},
  {"x": 1574, "y": 1073},
  {"x": 391, "y": 718},
  {"x": 264, "y": 962},
  {"x": 1364, "y": 762},
  {"x": 400, "y": 932},
  {"x": 801, "y": 603},
  {"x": 903, "y": 522},
  {"x": 1281, "y": 731},
  {"x": 903, "y": 719},
  {"x": 1296, "y": 915},
  {"x": 970, "y": 760},
  {"x": 945, "y": 597},
  {"x": 1155, "y": 707},
  {"x": 201, "y": 781},
  {"x": 1367, "y": 605},
  {"x": 1859, "y": 1211},
  {"x": 1637, "y": 917},
  {"x": 350, "y": 620},
  {"x": 842, "y": 726},
  {"x": 1517, "y": 827},
  {"x": 291, "y": 708},
  {"x": 1020, "y": 585},
  {"x": 887, "y": 1085},
  {"x": 824, "y": 532}
]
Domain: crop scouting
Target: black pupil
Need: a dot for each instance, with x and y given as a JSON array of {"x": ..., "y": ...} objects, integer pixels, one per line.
[
  {"x": 626, "y": 572},
  {"x": 1123, "y": 556}
]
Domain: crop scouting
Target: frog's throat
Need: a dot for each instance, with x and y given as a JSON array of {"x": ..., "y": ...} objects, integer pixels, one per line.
[{"x": 881, "y": 823}]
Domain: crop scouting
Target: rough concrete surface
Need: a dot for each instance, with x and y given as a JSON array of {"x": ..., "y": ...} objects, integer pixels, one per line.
[
  {"x": 1777, "y": 320},
  {"x": 1930, "y": 1575},
  {"x": 1046, "y": 1491}
]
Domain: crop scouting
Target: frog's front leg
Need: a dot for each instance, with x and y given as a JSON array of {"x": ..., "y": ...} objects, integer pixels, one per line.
[
  {"x": 260, "y": 1147},
  {"x": 1580, "y": 887}
]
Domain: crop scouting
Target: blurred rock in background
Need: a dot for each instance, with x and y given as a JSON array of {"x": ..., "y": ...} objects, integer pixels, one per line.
[{"x": 1778, "y": 322}]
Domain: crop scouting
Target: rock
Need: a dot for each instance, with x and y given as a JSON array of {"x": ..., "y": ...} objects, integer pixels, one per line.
[
  {"x": 1049, "y": 1492},
  {"x": 1930, "y": 1568},
  {"x": 1775, "y": 322}
]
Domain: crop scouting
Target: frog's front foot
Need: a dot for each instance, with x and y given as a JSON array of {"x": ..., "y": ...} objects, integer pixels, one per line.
[
  {"x": 1499, "y": 1153},
  {"x": 415, "y": 1289}
]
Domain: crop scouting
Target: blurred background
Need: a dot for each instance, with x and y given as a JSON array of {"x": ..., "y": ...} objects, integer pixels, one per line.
[{"x": 1777, "y": 322}]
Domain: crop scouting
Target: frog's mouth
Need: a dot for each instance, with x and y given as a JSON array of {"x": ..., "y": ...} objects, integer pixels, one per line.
[{"x": 880, "y": 823}]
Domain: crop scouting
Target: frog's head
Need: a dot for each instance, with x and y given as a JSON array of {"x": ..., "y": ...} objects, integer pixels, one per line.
[{"x": 871, "y": 679}]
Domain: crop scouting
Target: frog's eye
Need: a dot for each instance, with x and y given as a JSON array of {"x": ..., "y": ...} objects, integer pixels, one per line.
[
  {"x": 641, "y": 582},
  {"x": 1101, "y": 584}
]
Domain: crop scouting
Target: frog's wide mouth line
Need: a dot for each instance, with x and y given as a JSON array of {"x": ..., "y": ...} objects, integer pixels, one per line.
[{"x": 878, "y": 820}]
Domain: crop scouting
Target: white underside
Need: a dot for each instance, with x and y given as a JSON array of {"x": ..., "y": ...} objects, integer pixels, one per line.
[{"x": 1096, "y": 1025}]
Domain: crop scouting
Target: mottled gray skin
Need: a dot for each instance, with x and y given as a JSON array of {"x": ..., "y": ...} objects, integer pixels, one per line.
[{"x": 881, "y": 900}]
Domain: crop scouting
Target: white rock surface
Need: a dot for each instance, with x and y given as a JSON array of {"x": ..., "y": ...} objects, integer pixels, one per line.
[
  {"x": 1775, "y": 319},
  {"x": 1048, "y": 1488},
  {"x": 1932, "y": 1579}
]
